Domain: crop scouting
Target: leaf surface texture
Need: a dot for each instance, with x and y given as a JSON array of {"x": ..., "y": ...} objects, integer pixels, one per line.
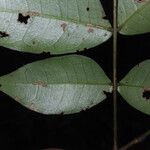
[
  {"x": 56, "y": 26},
  {"x": 134, "y": 16},
  {"x": 135, "y": 87},
  {"x": 67, "y": 84}
]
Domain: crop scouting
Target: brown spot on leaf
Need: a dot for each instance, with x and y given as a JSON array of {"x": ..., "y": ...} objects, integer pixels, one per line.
[
  {"x": 40, "y": 83},
  {"x": 89, "y": 25},
  {"x": 64, "y": 26},
  {"x": 146, "y": 93},
  {"x": 3, "y": 34},
  {"x": 31, "y": 13},
  {"x": 90, "y": 30}
]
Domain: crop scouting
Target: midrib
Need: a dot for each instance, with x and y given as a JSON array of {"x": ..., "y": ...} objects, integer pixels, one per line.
[
  {"x": 108, "y": 84},
  {"x": 47, "y": 16}
]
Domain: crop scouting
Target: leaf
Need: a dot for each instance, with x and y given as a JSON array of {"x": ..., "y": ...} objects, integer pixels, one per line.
[
  {"x": 56, "y": 26},
  {"x": 66, "y": 84},
  {"x": 134, "y": 16},
  {"x": 135, "y": 87}
]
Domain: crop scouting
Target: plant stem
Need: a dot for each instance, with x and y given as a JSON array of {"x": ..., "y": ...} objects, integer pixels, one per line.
[
  {"x": 136, "y": 140},
  {"x": 115, "y": 3}
]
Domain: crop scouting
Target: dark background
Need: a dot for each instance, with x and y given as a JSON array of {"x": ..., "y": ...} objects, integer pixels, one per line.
[{"x": 22, "y": 129}]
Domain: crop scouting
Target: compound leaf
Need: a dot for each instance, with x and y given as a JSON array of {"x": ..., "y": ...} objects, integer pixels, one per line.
[
  {"x": 135, "y": 87},
  {"x": 66, "y": 84},
  {"x": 134, "y": 16},
  {"x": 56, "y": 26}
]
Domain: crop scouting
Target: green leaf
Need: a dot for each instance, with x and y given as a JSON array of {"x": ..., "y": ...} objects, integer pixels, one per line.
[
  {"x": 56, "y": 26},
  {"x": 57, "y": 85},
  {"x": 135, "y": 87},
  {"x": 134, "y": 16}
]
